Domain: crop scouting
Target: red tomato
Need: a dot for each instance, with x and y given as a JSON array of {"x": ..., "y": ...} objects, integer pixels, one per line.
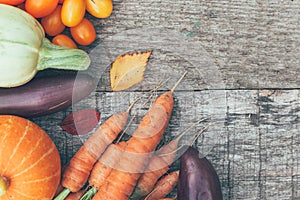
[
  {"x": 40, "y": 8},
  {"x": 84, "y": 33},
  {"x": 64, "y": 40},
  {"x": 99, "y": 8},
  {"x": 52, "y": 23},
  {"x": 72, "y": 12},
  {"x": 12, "y": 2}
]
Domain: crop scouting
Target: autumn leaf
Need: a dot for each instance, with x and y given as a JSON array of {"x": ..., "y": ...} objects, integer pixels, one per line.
[
  {"x": 128, "y": 70},
  {"x": 80, "y": 122}
]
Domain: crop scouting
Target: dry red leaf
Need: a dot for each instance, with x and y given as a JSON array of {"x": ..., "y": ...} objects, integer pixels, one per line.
[
  {"x": 128, "y": 70},
  {"x": 80, "y": 122}
]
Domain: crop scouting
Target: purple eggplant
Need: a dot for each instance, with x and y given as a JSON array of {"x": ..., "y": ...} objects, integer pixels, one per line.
[
  {"x": 45, "y": 95},
  {"x": 198, "y": 179}
]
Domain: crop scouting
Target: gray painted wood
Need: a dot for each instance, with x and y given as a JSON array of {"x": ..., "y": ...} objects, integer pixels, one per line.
[
  {"x": 242, "y": 59},
  {"x": 254, "y": 43},
  {"x": 253, "y": 141}
]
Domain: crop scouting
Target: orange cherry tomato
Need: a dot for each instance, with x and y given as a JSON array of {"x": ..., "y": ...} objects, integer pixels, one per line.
[
  {"x": 12, "y": 2},
  {"x": 84, "y": 33},
  {"x": 52, "y": 23},
  {"x": 40, "y": 8},
  {"x": 99, "y": 8},
  {"x": 72, "y": 12},
  {"x": 64, "y": 40}
]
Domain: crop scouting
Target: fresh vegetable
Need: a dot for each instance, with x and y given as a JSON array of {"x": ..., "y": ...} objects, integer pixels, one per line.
[
  {"x": 197, "y": 178},
  {"x": 122, "y": 180},
  {"x": 160, "y": 163},
  {"x": 104, "y": 167},
  {"x": 81, "y": 121},
  {"x": 107, "y": 161},
  {"x": 40, "y": 8},
  {"x": 75, "y": 195},
  {"x": 72, "y": 12},
  {"x": 52, "y": 23},
  {"x": 45, "y": 95},
  {"x": 27, "y": 51},
  {"x": 64, "y": 40},
  {"x": 128, "y": 70},
  {"x": 77, "y": 172},
  {"x": 99, "y": 8},
  {"x": 84, "y": 33},
  {"x": 163, "y": 186},
  {"x": 29, "y": 161},
  {"x": 12, "y": 2}
]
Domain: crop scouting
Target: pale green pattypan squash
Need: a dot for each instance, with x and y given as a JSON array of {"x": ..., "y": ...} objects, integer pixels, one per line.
[{"x": 24, "y": 50}]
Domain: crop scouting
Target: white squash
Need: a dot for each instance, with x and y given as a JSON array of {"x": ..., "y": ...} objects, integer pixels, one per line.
[{"x": 24, "y": 50}]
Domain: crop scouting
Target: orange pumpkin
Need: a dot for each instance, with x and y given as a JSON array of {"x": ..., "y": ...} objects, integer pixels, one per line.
[{"x": 29, "y": 161}]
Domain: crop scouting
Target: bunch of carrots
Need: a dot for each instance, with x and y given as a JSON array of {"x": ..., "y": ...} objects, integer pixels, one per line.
[
  {"x": 107, "y": 168},
  {"x": 57, "y": 15}
]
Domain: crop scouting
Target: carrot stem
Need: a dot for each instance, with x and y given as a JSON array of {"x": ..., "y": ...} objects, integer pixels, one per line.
[
  {"x": 131, "y": 106},
  {"x": 190, "y": 128},
  {"x": 190, "y": 142},
  {"x": 89, "y": 194},
  {"x": 194, "y": 138},
  {"x": 177, "y": 83},
  {"x": 63, "y": 194}
]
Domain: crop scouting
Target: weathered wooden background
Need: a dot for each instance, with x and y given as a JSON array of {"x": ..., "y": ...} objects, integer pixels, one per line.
[{"x": 242, "y": 58}]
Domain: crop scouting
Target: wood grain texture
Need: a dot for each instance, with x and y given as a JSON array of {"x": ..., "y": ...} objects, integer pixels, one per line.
[
  {"x": 253, "y": 141},
  {"x": 254, "y": 43},
  {"x": 242, "y": 59}
]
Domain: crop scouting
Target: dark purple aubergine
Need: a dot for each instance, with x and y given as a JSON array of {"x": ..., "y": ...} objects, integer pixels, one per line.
[
  {"x": 45, "y": 95},
  {"x": 198, "y": 179}
]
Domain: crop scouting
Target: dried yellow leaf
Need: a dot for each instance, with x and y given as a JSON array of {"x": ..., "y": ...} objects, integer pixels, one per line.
[{"x": 128, "y": 70}]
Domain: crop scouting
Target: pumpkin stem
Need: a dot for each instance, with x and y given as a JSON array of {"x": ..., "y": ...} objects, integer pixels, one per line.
[
  {"x": 59, "y": 57},
  {"x": 3, "y": 185}
]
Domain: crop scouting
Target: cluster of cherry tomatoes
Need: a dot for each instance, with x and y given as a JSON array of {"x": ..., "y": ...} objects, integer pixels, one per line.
[{"x": 56, "y": 15}]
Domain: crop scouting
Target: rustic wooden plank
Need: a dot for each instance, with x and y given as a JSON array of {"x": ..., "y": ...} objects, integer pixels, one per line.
[
  {"x": 253, "y": 43},
  {"x": 253, "y": 143}
]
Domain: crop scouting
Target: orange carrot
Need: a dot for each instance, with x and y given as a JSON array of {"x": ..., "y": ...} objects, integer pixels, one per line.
[
  {"x": 103, "y": 167},
  {"x": 164, "y": 186},
  {"x": 105, "y": 164},
  {"x": 122, "y": 180},
  {"x": 160, "y": 163},
  {"x": 81, "y": 164}
]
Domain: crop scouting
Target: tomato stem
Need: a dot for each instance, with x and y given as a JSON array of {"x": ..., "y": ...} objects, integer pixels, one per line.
[{"x": 3, "y": 185}]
